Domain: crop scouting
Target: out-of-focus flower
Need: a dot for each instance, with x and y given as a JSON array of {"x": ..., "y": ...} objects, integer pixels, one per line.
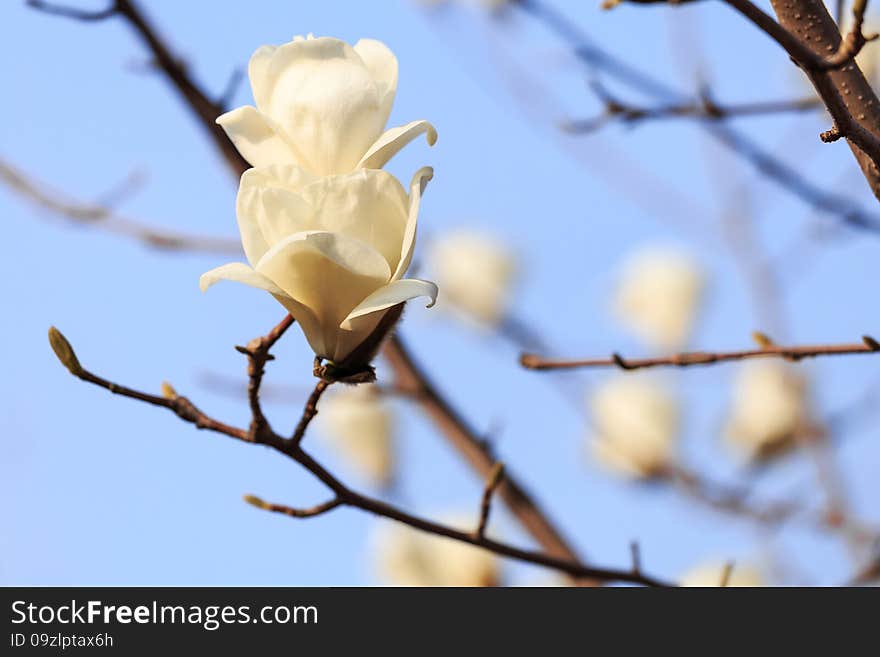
[
  {"x": 636, "y": 424},
  {"x": 658, "y": 296},
  {"x": 407, "y": 557},
  {"x": 476, "y": 272},
  {"x": 769, "y": 407},
  {"x": 322, "y": 105},
  {"x": 359, "y": 423},
  {"x": 712, "y": 574},
  {"x": 332, "y": 251}
]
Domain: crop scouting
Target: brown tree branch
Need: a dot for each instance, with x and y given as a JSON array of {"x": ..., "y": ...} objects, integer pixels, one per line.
[
  {"x": 344, "y": 496},
  {"x": 704, "y": 107},
  {"x": 101, "y": 215},
  {"x": 409, "y": 376},
  {"x": 257, "y": 352},
  {"x": 598, "y": 59},
  {"x": 690, "y": 358},
  {"x": 808, "y": 34},
  {"x": 197, "y": 99},
  {"x": 495, "y": 478}
]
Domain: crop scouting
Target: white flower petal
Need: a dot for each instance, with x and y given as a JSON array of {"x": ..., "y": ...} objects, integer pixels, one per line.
[
  {"x": 241, "y": 273},
  {"x": 369, "y": 205},
  {"x": 391, "y": 295},
  {"x": 325, "y": 98},
  {"x": 329, "y": 273},
  {"x": 382, "y": 65},
  {"x": 417, "y": 188},
  {"x": 393, "y": 140},
  {"x": 266, "y": 213},
  {"x": 258, "y": 70},
  {"x": 256, "y": 137}
]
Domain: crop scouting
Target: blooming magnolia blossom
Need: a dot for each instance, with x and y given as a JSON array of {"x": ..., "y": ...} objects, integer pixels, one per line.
[
  {"x": 406, "y": 557},
  {"x": 322, "y": 105},
  {"x": 359, "y": 423},
  {"x": 658, "y": 296},
  {"x": 332, "y": 250},
  {"x": 769, "y": 407},
  {"x": 712, "y": 574},
  {"x": 636, "y": 423},
  {"x": 476, "y": 273}
]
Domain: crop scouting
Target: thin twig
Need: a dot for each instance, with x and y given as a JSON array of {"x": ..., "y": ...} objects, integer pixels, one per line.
[
  {"x": 790, "y": 180},
  {"x": 409, "y": 376},
  {"x": 690, "y": 358},
  {"x": 344, "y": 496},
  {"x": 309, "y": 412},
  {"x": 101, "y": 215},
  {"x": 703, "y": 108},
  {"x": 197, "y": 99},
  {"x": 495, "y": 478},
  {"x": 309, "y": 512},
  {"x": 257, "y": 352}
]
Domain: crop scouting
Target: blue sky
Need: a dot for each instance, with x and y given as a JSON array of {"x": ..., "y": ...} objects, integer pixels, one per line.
[{"x": 107, "y": 491}]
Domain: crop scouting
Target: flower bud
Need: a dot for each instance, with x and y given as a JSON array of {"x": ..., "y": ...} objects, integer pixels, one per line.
[
  {"x": 64, "y": 351},
  {"x": 476, "y": 272},
  {"x": 358, "y": 422},
  {"x": 769, "y": 407},
  {"x": 407, "y": 557},
  {"x": 636, "y": 423},
  {"x": 322, "y": 106},
  {"x": 658, "y": 296}
]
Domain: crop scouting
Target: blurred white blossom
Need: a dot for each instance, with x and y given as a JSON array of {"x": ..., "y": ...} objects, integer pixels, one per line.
[
  {"x": 321, "y": 105},
  {"x": 359, "y": 423},
  {"x": 636, "y": 424},
  {"x": 712, "y": 574},
  {"x": 658, "y": 296},
  {"x": 407, "y": 557},
  {"x": 769, "y": 407},
  {"x": 476, "y": 272}
]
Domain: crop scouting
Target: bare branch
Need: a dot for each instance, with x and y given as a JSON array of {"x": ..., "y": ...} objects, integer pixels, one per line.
[
  {"x": 690, "y": 358},
  {"x": 309, "y": 412},
  {"x": 495, "y": 478},
  {"x": 343, "y": 494},
  {"x": 197, "y": 99},
  {"x": 310, "y": 512},
  {"x": 860, "y": 102},
  {"x": 73, "y": 12},
  {"x": 726, "y": 573},
  {"x": 409, "y": 376},
  {"x": 98, "y": 215},
  {"x": 703, "y": 107},
  {"x": 257, "y": 352},
  {"x": 807, "y": 33}
]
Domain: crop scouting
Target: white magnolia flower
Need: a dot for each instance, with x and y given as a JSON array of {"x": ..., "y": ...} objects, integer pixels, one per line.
[
  {"x": 712, "y": 574},
  {"x": 321, "y": 104},
  {"x": 407, "y": 557},
  {"x": 635, "y": 421},
  {"x": 359, "y": 423},
  {"x": 658, "y": 296},
  {"x": 769, "y": 407},
  {"x": 476, "y": 273},
  {"x": 331, "y": 250}
]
